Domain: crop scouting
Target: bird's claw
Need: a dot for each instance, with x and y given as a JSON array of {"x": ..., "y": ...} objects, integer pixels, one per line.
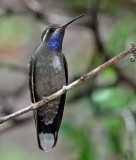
[
  {"x": 64, "y": 88},
  {"x": 45, "y": 99},
  {"x": 133, "y": 57},
  {"x": 134, "y": 51}
]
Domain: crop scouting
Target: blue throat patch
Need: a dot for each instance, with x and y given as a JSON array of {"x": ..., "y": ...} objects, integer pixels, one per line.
[{"x": 56, "y": 42}]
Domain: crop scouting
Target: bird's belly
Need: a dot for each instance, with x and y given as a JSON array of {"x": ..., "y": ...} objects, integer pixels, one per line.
[{"x": 48, "y": 79}]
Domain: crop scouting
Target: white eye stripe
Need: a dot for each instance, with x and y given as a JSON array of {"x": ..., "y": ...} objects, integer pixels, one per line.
[{"x": 45, "y": 35}]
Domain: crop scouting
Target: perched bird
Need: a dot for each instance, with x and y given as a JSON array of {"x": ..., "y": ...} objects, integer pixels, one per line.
[{"x": 48, "y": 73}]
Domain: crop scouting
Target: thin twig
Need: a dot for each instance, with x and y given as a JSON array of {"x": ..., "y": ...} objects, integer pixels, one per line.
[{"x": 81, "y": 80}]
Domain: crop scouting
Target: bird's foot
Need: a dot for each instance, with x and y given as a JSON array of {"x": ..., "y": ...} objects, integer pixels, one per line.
[
  {"x": 45, "y": 99},
  {"x": 64, "y": 88},
  {"x": 133, "y": 57}
]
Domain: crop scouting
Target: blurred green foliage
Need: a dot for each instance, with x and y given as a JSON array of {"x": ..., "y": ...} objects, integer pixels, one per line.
[
  {"x": 14, "y": 27},
  {"x": 80, "y": 141},
  {"x": 122, "y": 33},
  {"x": 15, "y": 153},
  {"x": 110, "y": 97}
]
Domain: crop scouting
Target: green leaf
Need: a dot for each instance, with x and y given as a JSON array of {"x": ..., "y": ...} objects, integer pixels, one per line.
[
  {"x": 121, "y": 31},
  {"x": 116, "y": 97}
]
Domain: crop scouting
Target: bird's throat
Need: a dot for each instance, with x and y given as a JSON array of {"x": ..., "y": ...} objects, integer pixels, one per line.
[{"x": 56, "y": 41}]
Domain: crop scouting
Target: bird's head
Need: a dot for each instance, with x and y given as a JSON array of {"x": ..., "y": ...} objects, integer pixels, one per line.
[{"x": 53, "y": 35}]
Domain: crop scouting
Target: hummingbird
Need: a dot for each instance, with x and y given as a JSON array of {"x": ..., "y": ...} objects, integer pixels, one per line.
[{"x": 48, "y": 73}]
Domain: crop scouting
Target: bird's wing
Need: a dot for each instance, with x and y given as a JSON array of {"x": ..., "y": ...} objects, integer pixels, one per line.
[
  {"x": 66, "y": 68},
  {"x": 31, "y": 79},
  {"x": 31, "y": 84}
]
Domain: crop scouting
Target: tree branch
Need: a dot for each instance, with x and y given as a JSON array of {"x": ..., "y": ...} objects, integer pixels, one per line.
[{"x": 81, "y": 80}]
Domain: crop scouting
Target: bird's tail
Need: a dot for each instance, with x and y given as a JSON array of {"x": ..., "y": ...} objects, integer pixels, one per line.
[{"x": 47, "y": 134}]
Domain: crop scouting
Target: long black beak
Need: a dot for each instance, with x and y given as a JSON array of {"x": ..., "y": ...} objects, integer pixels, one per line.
[{"x": 66, "y": 24}]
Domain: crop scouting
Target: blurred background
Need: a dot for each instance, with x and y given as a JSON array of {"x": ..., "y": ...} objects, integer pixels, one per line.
[{"x": 99, "y": 117}]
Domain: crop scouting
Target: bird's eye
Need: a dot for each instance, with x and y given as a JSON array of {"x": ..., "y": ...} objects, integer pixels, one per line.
[{"x": 52, "y": 29}]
